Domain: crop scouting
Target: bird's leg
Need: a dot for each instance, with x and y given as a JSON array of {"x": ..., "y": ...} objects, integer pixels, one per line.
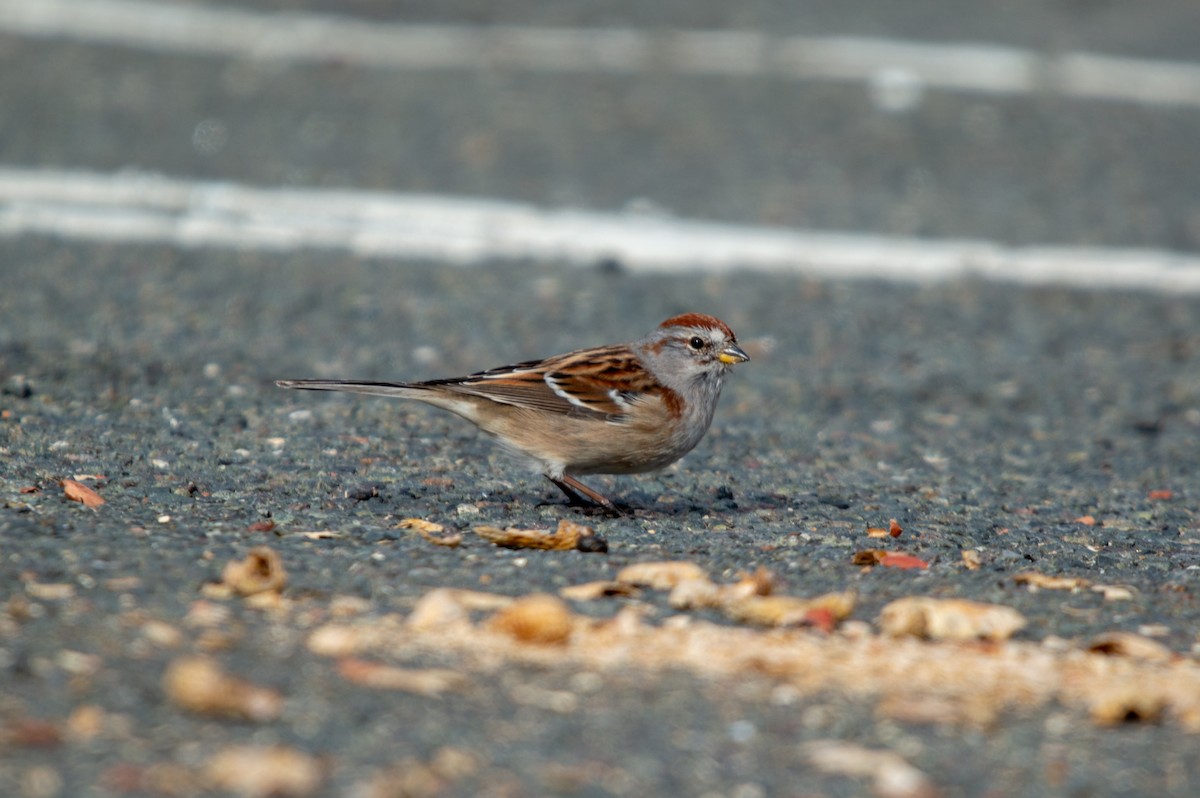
[{"x": 578, "y": 493}]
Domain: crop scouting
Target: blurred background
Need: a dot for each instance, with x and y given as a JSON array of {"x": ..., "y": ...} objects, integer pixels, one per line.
[{"x": 1068, "y": 122}]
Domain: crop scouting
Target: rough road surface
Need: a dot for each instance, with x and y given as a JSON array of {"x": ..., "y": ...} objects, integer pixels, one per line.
[{"x": 1012, "y": 434}]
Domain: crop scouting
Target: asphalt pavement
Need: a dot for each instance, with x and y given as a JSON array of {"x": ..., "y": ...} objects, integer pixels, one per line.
[{"x": 1049, "y": 430}]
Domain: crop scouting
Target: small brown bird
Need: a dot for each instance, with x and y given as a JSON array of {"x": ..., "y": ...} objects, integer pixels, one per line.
[{"x": 623, "y": 409}]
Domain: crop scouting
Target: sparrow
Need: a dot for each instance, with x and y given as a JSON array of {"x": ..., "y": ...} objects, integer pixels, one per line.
[{"x": 621, "y": 409}]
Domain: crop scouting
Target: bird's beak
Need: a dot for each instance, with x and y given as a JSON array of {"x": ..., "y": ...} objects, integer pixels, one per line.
[{"x": 732, "y": 354}]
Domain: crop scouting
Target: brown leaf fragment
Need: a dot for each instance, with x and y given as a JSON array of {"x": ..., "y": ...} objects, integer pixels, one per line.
[
  {"x": 122, "y": 584},
  {"x": 1114, "y": 592},
  {"x": 891, "y": 776},
  {"x": 972, "y": 559},
  {"x": 589, "y": 591},
  {"x": 537, "y": 618},
  {"x": 335, "y": 640},
  {"x": 876, "y": 532},
  {"x": 759, "y": 583},
  {"x": 701, "y": 593},
  {"x": 905, "y": 562},
  {"x": 161, "y": 634},
  {"x": 888, "y": 559},
  {"x": 85, "y": 722},
  {"x": 439, "y": 609},
  {"x": 261, "y": 571},
  {"x": 31, "y": 733},
  {"x": 261, "y": 526},
  {"x": 432, "y": 532},
  {"x": 77, "y": 491},
  {"x": 1123, "y": 702},
  {"x": 660, "y": 575},
  {"x": 343, "y": 606},
  {"x": 1160, "y": 495},
  {"x": 426, "y": 681},
  {"x": 949, "y": 619},
  {"x": 200, "y": 685},
  {"x": 697, "y": 594},
  {"x": 1035, "y": 581},
  {"x": 420, "y": 525},
  {"x": 868, "y": 557},
  {"x": 30, "y": 489},
  {"x": 792, "y": 611},
  {"x": 50, "y": 591},
  {"x": 569, "y": 535},
  {"x": 444, "y": 608},
  {"x": 1086, "y": 520},
  {"x": 894, "y": 529},
  {"x": 207, "y": 615},
  {"x": 1127, "y": 644},
  {"x": 265, "y": 772}
]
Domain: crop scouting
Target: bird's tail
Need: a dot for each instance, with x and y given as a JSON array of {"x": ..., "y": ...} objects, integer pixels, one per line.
[{"x": 398, "y": 390}]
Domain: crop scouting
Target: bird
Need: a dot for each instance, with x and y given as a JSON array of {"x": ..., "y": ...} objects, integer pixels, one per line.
[{"x": 618, "y": 409}]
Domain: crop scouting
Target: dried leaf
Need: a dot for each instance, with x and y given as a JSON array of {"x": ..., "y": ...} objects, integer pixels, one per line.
[
  {"x": 1086, "y": 520},
  {"x": 891, "y": 775},
  {"x": 589, "y": 591},
  {"x": 421, "y": 526},
  {"x": 1127, "y": 644},
  {"x": 1128, "y": 703},
  {"x": 447, "y": 608},
  {"x": 1161, "y": 495},
  {"x": 759, "y": 583},
  {"x": 31, "y": 733},
  {"x": 427, "y": 681},
  {"x": 904, "y": 562},
  {"x": 1035, "y": 580},
  {"x": 569, "y": 535},
  {"x": 261, "y": 571},
  {"x": 348, "y": 606},
  {"x": 894, "y": 529},
  {"x": 335, "y": 640},
  {"x": 265, "y": 772},
  {"x": 50, "y": 591},
  {"x": 696, "y": 594},
  {"x": 261, "y": 526},
  {"x": 86, "y": 722},
  {"x": 876, "y": 532},
  {"x": 1114, "y": 592},
  {"x": 868, "y": 557},
  {"x": 123, "y": 583},
  {"x": 972, "y": 559},
  {"x": 77, "y": 491},
  {"x": 432, "y": 532},
  {"x": 792, "y": 611},
  {"x": 949, "y": 619},
  {"x": 701, "y": 593},
  {"x": 162, "y": 634},
  {"x": 198, "y": 684},
  {"x": 660, "y": 575},
  {"x": 938, "y": 682},
  {"x": 538, "y": 618}
]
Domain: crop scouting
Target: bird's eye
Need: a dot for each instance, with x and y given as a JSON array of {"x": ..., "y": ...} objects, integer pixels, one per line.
[{"x": 696, "y": 343}]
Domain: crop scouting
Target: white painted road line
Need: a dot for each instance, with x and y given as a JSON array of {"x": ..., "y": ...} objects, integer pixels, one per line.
[
  {"x": 297, "y": 37},
  {"x": 138, "y": 207}
]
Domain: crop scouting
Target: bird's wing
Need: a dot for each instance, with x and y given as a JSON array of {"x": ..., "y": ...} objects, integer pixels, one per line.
[{"x": 602, "y": 382}]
